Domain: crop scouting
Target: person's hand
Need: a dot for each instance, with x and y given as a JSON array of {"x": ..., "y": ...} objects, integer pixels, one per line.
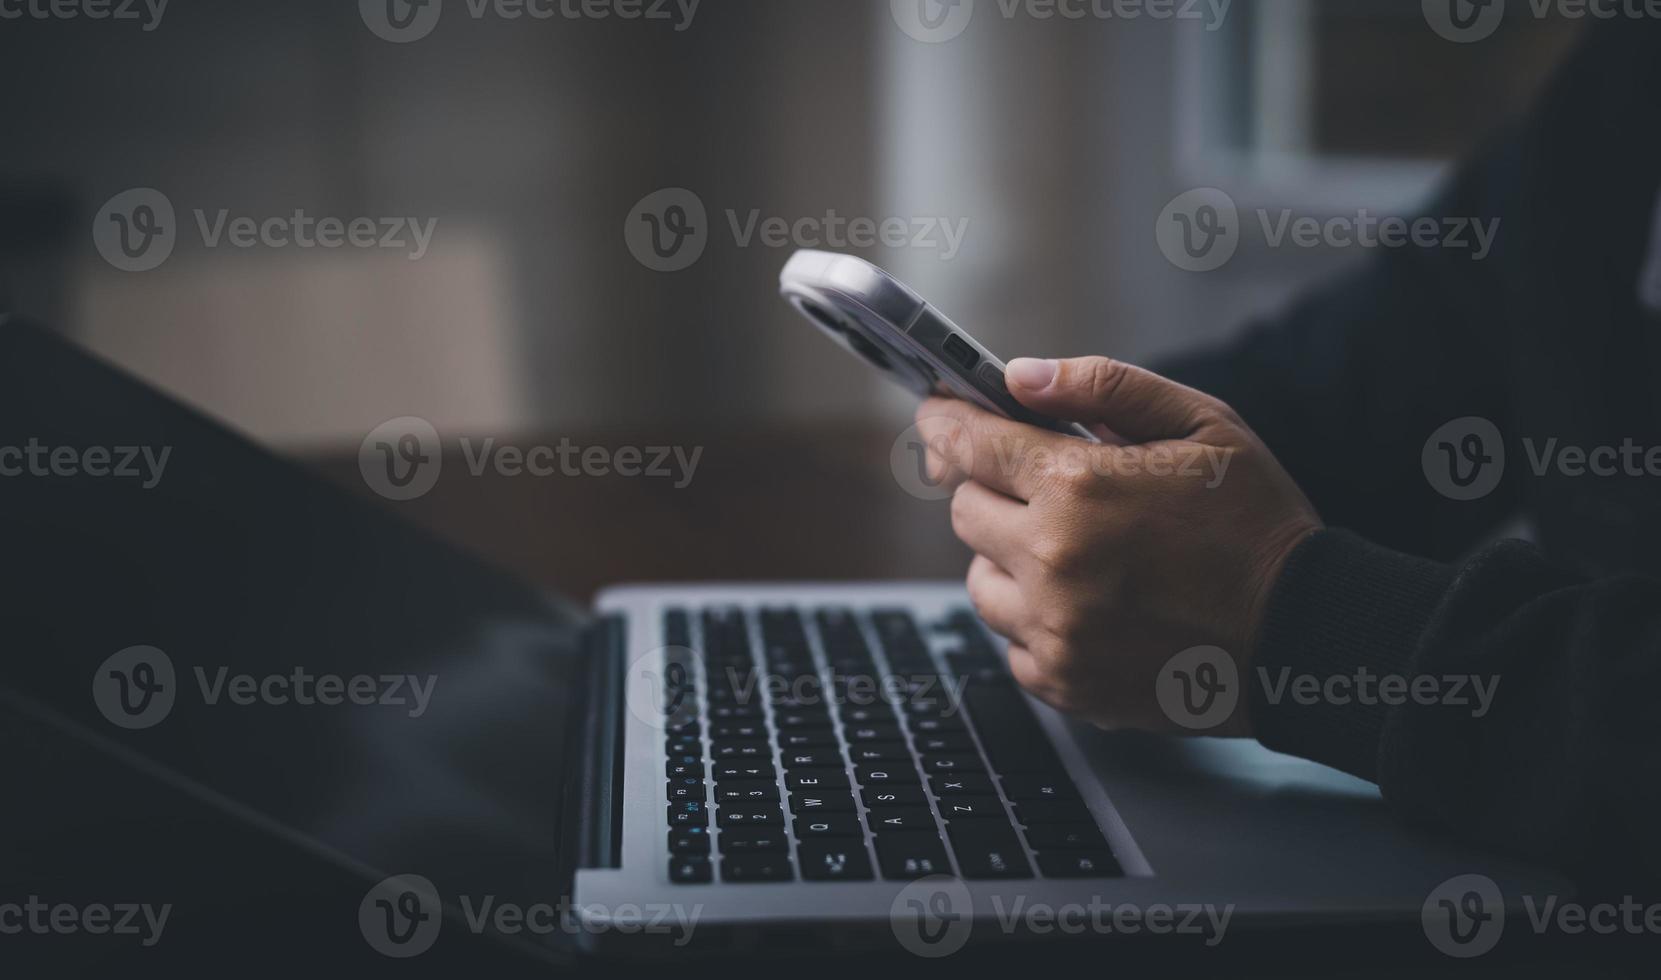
[{"x": 1100, "y": 563}]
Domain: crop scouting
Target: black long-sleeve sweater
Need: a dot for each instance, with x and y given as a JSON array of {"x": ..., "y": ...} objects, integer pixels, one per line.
[{"x": 1555, "y": 335}]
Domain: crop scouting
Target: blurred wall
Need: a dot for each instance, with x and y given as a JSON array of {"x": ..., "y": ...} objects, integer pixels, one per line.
[{"x": 529, "y": 142}]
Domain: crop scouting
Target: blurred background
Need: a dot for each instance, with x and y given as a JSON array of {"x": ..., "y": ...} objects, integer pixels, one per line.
[{"x": 527, "y": 145}]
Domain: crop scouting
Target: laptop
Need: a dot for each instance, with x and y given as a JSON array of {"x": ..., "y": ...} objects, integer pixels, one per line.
[{"x": 674, "y": 767}]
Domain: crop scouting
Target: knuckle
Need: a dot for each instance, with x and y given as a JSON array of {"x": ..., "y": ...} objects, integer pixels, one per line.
[{"x": 1103, "y": 376}]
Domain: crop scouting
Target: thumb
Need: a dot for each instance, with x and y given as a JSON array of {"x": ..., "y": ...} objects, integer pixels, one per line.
[{"x": 1134, "y": 403}]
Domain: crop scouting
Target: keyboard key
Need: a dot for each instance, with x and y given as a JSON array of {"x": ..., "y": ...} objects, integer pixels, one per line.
[
  {"x": 1052, "y": 811},
  {"x": 972, "y": 808},
  {"x": 1079, "y": 864},
  {"x": 739, "y": 731},
  {"x": 735, "y": 712},
  {"x": 689, "y": 870},
  {"x": 816, "y": 779},
  {"x": 749, "y": 815},
  {"x": 814, "y": 759},
  {"x": 834, "y": 861},
  {"x": 828, "y": 825},
  {"x": 683, "y": 769},
  {"x": 1066, "y": 837},
  {"x": 687, "y": 788},
  {"x": 728, "y": 751},
  {"x": 889, "y": 819},
  {"x": 764, "y": 866},
  {"x": 1020, "y": 788},
  {"x": 677, "y": 629},
  {"x": 802, "y": 718},
  {"x": 894, "y": 796},
  {"x": 748, "y": 791},
  {"x": 749, "y": 840},
  {"x": 725, "y": 771},
  {"x": 988, "y": 850},
  {"x": 838, "y": 801},
  {"x": 692, "y": 814},
  {"x": 873, "y": 733},
  {"x": 689, "y": 840},
  {"x": 952, "y": 764},
  {"x": 903, "y": 857},
  {"x": 953, "y": 725},
  {"x": 884, "y": 774},
  {"x": 948, "y": 744},
  {"x": 895, "y": 752},
  {"x": 867, "y": 714},
  {"x": 960, "y": 784},
  {"x": 807, "y": 738}
]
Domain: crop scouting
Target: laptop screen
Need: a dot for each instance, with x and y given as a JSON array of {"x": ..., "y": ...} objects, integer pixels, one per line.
[{"x": 209, "y": 614}]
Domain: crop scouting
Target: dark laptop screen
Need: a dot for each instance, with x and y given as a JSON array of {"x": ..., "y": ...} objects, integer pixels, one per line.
[{"x": 192, "y": 604}]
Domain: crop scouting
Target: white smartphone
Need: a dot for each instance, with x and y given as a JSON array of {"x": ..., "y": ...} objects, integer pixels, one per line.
[{"x": 882, "y": 321}]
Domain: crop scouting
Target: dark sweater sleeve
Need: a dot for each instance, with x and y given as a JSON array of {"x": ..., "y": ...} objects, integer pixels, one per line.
[{"x": 1561, "y": 762}]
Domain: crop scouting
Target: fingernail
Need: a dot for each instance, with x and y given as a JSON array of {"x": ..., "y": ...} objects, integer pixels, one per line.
[{"x": 1031, "y": 372}]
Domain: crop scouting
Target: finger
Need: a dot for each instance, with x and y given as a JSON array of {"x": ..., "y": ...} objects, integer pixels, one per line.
[
  {"x": 1009, "y": 457},
  {"x": 1024, "y": 666},
  {"x": 997, "y": 598},
  {"x": 1134, "y": 403},
  {"x": 991, "y": 524}
]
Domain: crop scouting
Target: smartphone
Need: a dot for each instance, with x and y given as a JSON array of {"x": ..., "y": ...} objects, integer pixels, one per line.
[{"x": 881, "y": 320}]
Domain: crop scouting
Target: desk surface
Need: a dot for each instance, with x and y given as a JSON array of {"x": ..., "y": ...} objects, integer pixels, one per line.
[{"x": 813, "y": 504}]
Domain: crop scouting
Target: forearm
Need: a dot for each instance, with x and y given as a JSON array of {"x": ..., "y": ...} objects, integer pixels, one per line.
[{"x": 1523, "y": 719}]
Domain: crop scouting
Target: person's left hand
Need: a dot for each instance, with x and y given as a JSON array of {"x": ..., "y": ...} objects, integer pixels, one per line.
[{"x": 1100, "y": 563}]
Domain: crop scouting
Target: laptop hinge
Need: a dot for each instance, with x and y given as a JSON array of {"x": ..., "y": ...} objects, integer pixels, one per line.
[{"x": 597, "y": 778}]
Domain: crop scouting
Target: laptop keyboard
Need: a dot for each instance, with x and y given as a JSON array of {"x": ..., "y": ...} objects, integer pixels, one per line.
[{"x": 832, "y": 745}]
